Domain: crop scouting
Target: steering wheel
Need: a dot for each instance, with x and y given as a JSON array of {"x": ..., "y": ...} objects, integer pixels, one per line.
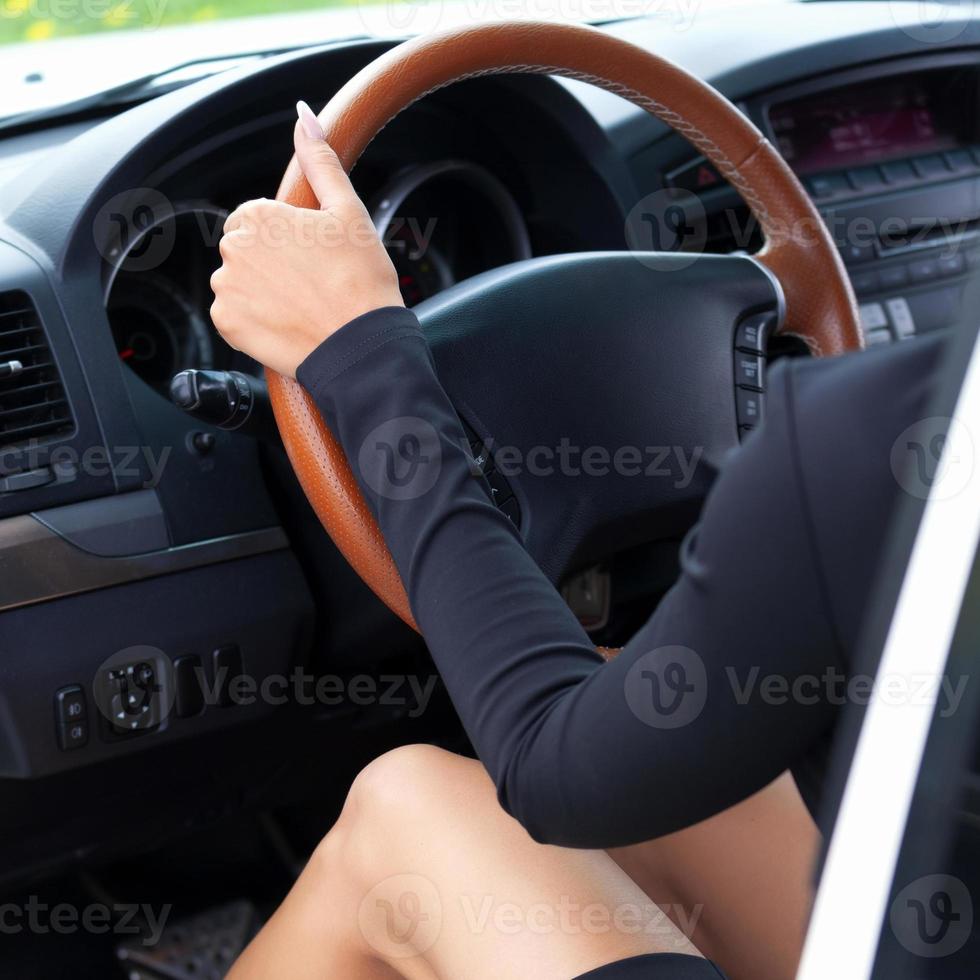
[{"x": 596, "y": 349}]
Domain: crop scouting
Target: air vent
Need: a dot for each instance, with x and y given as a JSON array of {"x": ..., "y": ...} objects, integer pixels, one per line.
[{"x": 32, "y": 398}]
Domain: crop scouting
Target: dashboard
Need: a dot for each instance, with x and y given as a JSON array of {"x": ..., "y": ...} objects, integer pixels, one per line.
[{"x": 130, "y": 530}]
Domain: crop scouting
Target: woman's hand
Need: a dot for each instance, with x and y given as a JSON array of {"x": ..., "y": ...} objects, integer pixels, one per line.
[{"x": 291, "y": 277}]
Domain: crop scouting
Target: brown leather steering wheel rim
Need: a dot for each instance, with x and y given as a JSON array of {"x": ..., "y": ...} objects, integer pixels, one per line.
[{"x": 820, "y": 305}]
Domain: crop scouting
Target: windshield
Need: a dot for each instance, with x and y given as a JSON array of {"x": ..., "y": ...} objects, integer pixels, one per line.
[{"x": 56, "y": 52}]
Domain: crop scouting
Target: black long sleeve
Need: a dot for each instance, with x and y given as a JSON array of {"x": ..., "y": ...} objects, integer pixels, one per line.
[{"x": 700, "y": 709}]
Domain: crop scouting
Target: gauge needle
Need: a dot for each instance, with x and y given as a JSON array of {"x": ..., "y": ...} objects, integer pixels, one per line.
[{"x": 127, "y": 353}]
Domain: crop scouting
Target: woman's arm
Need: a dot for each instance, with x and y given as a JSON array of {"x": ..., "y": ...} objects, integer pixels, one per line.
[{"x": 583, "y": 753}]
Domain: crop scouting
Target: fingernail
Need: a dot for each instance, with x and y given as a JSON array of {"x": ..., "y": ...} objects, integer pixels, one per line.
[{"x": 311, "y": 125}]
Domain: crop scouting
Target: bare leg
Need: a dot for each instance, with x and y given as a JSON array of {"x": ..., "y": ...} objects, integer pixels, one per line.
[
  {"x": 742, "y": 878},
  {"x": 424, "y": 876}
]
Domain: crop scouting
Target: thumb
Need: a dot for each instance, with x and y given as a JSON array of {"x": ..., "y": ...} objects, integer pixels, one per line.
[{"x": 319, "y": 163}]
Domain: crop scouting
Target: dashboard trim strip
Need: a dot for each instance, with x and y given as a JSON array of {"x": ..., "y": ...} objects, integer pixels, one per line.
[{"x": 37, "y": 565}]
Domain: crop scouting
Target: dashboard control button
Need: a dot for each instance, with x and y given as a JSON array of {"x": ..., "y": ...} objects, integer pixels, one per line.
[
  {"x": 73, "y": 736},
  {"x": 893, "y": 277},
  {"x": 866, "y": 179},
  {"x": 482, "y": 456},
  {"x": 901, "y": 317},
  {"x": 512, "y": 509},
  {"x": 749, "y": 406},
  {"x": 898, "y": 172},
  {"x": 875, "y": 337},
  {"x": 188, "y": 687},
  {"x": 27, "y": 480},
  {"x": 748, "y": 370},
  {"x": 69, "y": 705},
  {"x": 960, "y": 160},
  {"x": 227, "y": 664},
  {"x": 930, "y": 166},
  {"x": 823, "y": 186},
  {"x": 852, "y": 254},
  {"x": 132, "y": 697},
  {"x": 499, "y": 488},
  {"x": 872, "y": 316},
  {"x": 202, "y": 442},
  {"x": 752, "y": 332},
  {"x": 865, "y": 282},
  {"x": 950, "y": 265},
  {"x": 923, "y": 270},
  {"x": 698, "y": 175}
]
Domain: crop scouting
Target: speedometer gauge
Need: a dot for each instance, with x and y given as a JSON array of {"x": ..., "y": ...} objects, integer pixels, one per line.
[
  {"x": 159, "y": 315},
  {"x": 443, "y": 222}
]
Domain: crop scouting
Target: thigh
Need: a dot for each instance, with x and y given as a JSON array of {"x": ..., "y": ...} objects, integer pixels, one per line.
[
  {"x": 738, "y": 883},
  {"x": 452, "y": 886}
]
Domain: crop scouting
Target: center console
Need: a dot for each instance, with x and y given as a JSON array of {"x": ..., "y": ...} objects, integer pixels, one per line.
[
  {"x": 890, "y": 154},
  {"x": 893, "y": 162}
]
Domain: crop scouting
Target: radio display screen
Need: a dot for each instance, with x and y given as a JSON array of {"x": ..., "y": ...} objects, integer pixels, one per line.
[{"x": 872, "y": 122}]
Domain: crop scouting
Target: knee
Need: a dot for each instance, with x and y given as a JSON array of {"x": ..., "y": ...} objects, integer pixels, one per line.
[
  {"x": 401, "y": 796},
  {"x": 401, "y": 785}
]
